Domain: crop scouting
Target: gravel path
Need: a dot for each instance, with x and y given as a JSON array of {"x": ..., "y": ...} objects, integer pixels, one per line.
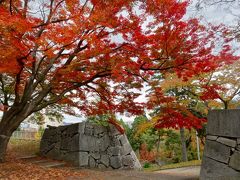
[
  {"x": 187, "y": 173},
  {"x": 183, "y": 173}
]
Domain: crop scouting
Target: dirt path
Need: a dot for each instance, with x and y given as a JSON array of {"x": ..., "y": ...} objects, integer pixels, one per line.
[
  {"x": 184, "y": 173},
  {"x": 188, "y": 173}
]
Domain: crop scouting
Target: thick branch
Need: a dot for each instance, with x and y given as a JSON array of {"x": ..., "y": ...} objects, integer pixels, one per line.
[{"x": 74, "y": 86}]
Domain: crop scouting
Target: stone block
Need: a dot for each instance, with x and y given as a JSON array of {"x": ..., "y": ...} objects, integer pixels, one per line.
[
  {"x": 95, "y": 155},
  {"x": 83, "y": 142},
  {"x": 212, "y": 138},
  {"x": 83, "y": 159},
  {"x": 73, "y": 157},
  {"x": 89, "y": 125},
  {"x": 58, "y": 136},
  {"x": 70, "y": 156},
  {"x": 54, "y": 153},
  {"x": 238, "y": 140},
  {"x": 114, "y": 151},
  {"x": 238, "y": 147},
  {"x": 55, "y": 138},
  {"x": 81, "y": 128},
  {"x": 115, "y": 162},
  {"x": 52, "y": 131},
  {"x": 134, "y": 156},
  {"x": 58, "y": 145},
  {"x": 88, "y": 131},
  {"x": 113, "y": 130},
  {"x": 217, "y": 151},
  {"x": 214, "y": 170},
  {"x": 92, "y": 163},
  {"x": 235, "y": 161},
  {"x": 92, "y": 144},
  {"x": 74, "y": 145},
  {"x": 224, "y": 123},
  {"x": 99, "y": 130},
  {"x": 65, "y": 144},
  {"x": 227, "y": 141},
  {"x": 88, "y": 143},
  {"x": 126, "y": 149},
  {"x": 46, "y": 134},
  {"x": 104, "y": 142},
  {"x": 128, "y": 161},
  {"x": 115, "y": 141},
  {"x": 72, "y": 129},
  {"x": 137, "y": 164},
  {"x": 49, "y": 148},
  {"x": 102, "y": 134},
  {"x": 105, "y": 160},
  {"x": 101, "y": 166},
  {"x": 123, "y": 139},
  {"x": 62, "y": 128},
  {"x": 44, "y": 146}
]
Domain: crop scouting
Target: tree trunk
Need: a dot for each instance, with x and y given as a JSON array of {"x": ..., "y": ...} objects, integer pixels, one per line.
[
  {"x": 158, "y": 143},
  {"x": 7, "y": 127},
  {"x": 225, "y": 104},
  {"x": 184, "y": 147},
  {"x": 3, "y": 146}
]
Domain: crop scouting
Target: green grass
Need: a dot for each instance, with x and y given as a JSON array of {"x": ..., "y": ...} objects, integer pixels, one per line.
[
  {"x": 24, "y": 147},
  {"x": 154, "y": 167}
]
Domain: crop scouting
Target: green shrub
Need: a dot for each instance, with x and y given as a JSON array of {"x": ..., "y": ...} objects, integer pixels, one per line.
[{"x": 146, "y": 165}]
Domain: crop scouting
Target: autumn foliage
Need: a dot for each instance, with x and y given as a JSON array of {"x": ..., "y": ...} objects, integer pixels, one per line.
[
  {"x": 147, "y": 155},
  {"x": 95, "y": 55}
]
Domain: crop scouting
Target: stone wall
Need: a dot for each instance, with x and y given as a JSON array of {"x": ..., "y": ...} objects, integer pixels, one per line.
[
  {"x": 221, "y": 157},
  {"x": 89, "y": 145}
]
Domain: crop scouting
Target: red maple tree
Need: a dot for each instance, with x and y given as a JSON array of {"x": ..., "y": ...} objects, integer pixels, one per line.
[{"x": 61, "y": 52}]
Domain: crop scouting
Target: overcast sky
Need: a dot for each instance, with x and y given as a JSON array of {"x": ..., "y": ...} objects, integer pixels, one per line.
[{"x": 226, "y": 13}]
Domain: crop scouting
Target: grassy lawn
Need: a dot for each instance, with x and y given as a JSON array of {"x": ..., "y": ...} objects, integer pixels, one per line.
[
  {"x": 24, "y": 147},
  {"x": 154, "y": 167}
]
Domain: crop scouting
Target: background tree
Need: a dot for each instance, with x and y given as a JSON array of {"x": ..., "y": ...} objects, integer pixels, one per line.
[
  {"x": 147, "y": 141},
  {"x": 221, "y": 89},
  {"x": 186, "y": 103}
]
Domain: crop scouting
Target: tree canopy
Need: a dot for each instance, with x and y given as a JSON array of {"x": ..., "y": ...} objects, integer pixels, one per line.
[{"x": 94, "y": 55}]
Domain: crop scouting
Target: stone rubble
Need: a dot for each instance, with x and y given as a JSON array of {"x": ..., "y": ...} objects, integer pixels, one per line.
[{"x": 89, "y": 145}]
